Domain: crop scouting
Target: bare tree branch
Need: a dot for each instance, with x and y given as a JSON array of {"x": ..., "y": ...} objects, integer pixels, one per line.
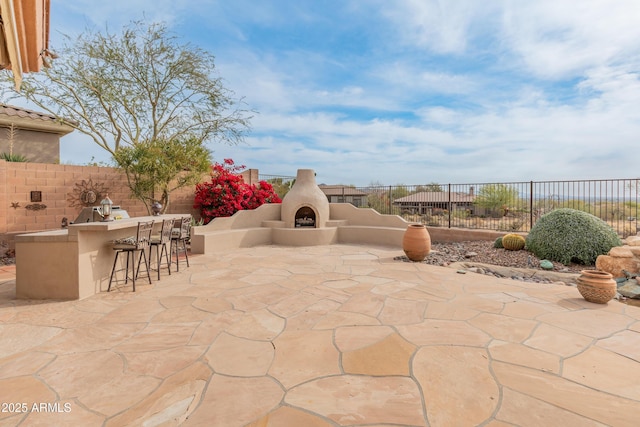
[{"x": 136, "y": 86}]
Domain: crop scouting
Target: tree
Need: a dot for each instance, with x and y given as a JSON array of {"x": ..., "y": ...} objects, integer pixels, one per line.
[
  {"x": 156, "y": 168},
  {"x": 137, "y": 86},
  {"x": 432, "y": 187},
  {"x": 494, "y": 196},
  {"x": 281, "y": 185},
  {"x": 399, "y": 191}
]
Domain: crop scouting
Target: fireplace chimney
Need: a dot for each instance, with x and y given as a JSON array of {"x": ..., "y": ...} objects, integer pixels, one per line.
[{"x": 305, "y": 205}]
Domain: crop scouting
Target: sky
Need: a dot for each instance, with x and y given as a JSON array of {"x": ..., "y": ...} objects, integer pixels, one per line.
[{"x": 410, "y": 91}]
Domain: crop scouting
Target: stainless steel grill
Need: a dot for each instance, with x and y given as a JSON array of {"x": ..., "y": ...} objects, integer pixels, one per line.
[{"x": 92, "y": 214}]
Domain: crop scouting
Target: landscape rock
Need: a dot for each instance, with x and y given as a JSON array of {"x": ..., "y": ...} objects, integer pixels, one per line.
[
  {"x": 616, "y": 265},
  {"x": 621, "y": 252},
  {"x": 630, "y": 289},
  {"x": 498, "y": 262},
  {"x": 633, "y": 240},
  {"x": 546, "y": 264}
]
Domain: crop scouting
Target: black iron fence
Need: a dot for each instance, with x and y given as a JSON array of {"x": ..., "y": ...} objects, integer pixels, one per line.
[
  {"x": 281, "y": 183},
  {"x": 503, "y": 206}
]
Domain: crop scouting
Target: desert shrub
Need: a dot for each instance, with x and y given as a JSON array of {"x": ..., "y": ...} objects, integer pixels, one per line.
[
  {"x": 9, "y": 157},
  {"x": 433, "y": 221},
  {"x": 629, "y": 229},
  {"x": 517, "y": 224},
  {"x": 568, "y": 235},
  {"x": 498, "y": 243},
  {"x": 460, "y": 213},
  {"x": 503, "y": 226}
]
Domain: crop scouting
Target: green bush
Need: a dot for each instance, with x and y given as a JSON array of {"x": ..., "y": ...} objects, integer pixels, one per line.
[
  {"x": 568, "y": 235},
  {"x": 13, "y": 157},
  {"x": 498, "y": 243}
]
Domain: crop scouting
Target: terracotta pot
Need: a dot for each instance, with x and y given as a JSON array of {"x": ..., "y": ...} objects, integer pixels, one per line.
[
  {"x": 597, "y": 286},
  {"x": 416, "y": 242}
]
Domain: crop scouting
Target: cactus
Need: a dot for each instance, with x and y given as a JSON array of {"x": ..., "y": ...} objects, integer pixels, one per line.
[
  {"x": 513, "y": 242},
  {"x": 498, "y": 243}
]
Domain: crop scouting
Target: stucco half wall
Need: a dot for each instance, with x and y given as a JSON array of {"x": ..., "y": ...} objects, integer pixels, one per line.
[
  {"x": 347, "y": 224},
  {"x": 263, "y": 226}
]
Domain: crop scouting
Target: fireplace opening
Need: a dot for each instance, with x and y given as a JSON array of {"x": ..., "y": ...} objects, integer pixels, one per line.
[{"x": 305, "y": 217}]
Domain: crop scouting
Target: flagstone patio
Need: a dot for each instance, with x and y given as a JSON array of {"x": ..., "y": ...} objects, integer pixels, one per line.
[{"x": 334, "y": 335}]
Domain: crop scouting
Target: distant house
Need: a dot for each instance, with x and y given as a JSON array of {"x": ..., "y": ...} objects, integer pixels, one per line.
[
  {"x": 33, "y": 135},
  {"x": 425, "y": 202},
  {"x": 344, "y": 194}
]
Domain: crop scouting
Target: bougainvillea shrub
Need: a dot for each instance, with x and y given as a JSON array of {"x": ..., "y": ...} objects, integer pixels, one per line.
[{"x": 227, "y": 193}]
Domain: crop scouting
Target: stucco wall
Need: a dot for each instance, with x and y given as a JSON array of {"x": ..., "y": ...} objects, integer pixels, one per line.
[
  {"x": 41, "y": 147},
  {"x": 57, "y": 184}
]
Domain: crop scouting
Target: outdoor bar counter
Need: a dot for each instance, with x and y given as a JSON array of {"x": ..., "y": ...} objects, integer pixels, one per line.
[{"x": 72, "y": 263}]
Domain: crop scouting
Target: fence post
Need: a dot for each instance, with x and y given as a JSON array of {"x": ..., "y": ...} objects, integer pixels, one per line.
[
  {"x": 449, "y": 204},
  {"x": 389, "y": 207},
  {"x": 530, "y": 205}
]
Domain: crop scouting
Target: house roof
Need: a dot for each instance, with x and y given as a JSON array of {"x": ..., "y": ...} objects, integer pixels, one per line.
[
  {"x": 32, "y": 120},
  {"x": 436, "y": 197},
  {"x": 340, "y": 190}
]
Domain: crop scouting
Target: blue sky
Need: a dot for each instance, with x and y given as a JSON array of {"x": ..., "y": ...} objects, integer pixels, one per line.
[{"x": 411, "y": 91}]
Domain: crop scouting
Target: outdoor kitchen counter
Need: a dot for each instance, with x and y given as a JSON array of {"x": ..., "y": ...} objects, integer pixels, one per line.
[{"x": 73, "y": 263}]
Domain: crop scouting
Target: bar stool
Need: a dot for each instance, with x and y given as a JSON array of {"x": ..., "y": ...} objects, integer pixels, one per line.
[
  {"x": 160, "y": 244},
  {"x": 131, "y": 246},
  {"x": 180, "y": 235}
]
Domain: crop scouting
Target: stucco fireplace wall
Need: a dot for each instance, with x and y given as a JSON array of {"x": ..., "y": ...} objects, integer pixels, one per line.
[
  {"x": 275, "y": 223},
  {"x": 305, "y": 193},
  {"x": 263, "y": 226}
]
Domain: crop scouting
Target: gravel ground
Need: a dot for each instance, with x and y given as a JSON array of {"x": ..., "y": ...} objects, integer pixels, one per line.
[
  {"x": 7, "y": 258},
  {"x": 483, "y": 252},
  {"x": 482, "y": 257}
]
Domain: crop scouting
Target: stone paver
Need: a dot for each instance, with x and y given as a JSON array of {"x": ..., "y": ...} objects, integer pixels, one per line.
[
  {"x": 337, "y": 335},
  {"x": 465, "y": 395}
]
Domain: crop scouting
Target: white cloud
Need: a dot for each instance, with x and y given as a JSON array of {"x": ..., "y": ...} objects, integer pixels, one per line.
[
  {"x": 442, "y": 26},
  {"x": 557, "y": 39},
  {"x": 449, "y": 91},
  {"x": 417, "y": 79}
]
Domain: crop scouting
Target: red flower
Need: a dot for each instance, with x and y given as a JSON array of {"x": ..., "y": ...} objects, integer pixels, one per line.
[{"x": 227, "y": 192}]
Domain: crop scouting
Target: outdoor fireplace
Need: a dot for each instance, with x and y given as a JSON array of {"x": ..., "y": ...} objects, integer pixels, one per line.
[
  {"x": 305, "y": 205},
  {"x": 305, "y": 217}
]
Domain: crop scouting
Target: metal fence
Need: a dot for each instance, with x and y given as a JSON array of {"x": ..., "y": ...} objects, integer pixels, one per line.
[
  {"x": 503, "y": 206},
  {"x": 281, "y": 183}
]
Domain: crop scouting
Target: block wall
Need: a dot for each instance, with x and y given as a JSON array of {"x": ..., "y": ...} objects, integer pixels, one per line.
[{"x": 57, "y": 183}]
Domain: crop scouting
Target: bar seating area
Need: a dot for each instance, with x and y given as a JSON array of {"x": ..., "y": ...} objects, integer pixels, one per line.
[
  {"x": 171, "y": 240},
  {"x": 130, "y": 247},
  {"x": 179, "y": 237},
  {"x": 159, "y": 246},
  {"x": 83, "y": 260}
]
